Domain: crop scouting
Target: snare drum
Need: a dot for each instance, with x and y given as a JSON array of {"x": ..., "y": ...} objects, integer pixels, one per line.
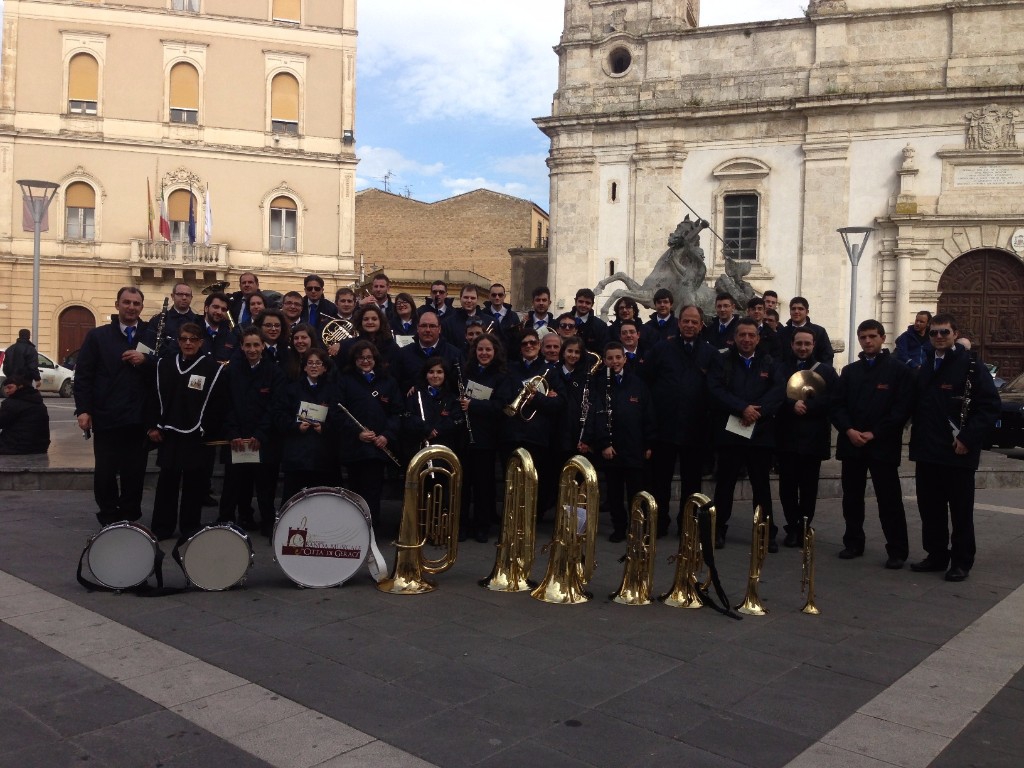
[
  {"x": 122, "y": 555},
  {"x": 322, "y": 536},
  {"x": 217, "y": 557}
]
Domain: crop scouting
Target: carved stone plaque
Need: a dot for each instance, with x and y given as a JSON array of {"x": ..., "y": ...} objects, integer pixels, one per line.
[{"x": 988, "y": 176}]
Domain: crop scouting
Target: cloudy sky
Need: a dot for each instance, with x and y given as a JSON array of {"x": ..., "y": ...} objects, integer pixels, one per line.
[{"x": 447, "y": 90}]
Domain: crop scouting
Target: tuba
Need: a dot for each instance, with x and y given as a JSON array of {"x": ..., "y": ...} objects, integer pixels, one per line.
[
  {"x": 685, "y": 591},
  {"x": 430, "y": 511},
  {"x": 538, "y": 385},
  {"x": 751, "y": 604},
  {"x": 336, "y": 330},
  {"x": 571, "y": 563},
  {"x": 516, "y": 546},
  {"x": 638, "y": 576},
  {"x": 807, "y": 572}
]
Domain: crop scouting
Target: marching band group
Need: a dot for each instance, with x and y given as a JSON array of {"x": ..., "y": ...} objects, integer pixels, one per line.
[{"x": 334, "y": 393}]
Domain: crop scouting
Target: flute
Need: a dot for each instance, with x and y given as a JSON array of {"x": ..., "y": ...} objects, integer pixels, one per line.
[{"x": 383, "y": 448}]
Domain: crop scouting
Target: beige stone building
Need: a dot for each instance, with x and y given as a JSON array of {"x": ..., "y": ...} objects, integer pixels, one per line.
[
  {"x": 895, "y": 114},
  {"x": 469, "y": 233},
  {"x": 249, "y": 107}
]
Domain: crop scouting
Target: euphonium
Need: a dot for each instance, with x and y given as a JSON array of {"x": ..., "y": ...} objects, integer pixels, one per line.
[
  {"x": 690, "y": 557},
  {"x": 430, "y": 510},
  {"x": 571, "y": 563},
  {"x": 538, "y": 385},
  {"x": 638, "y": 576},
  {"x": 337, "y": 330},
  {"x": 751, "y": 604},
  {"x": 516, "y": 546},
  {"x": 807, "y": 576}
]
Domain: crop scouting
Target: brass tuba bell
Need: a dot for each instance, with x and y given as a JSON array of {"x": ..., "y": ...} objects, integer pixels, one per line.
[
  {"x": 751, "y": 604},
  {"x": 690, "y": 557},
  {"x": 571, "y": 562},
  {"x": 516, "y": 546},
  {"x": 430, "y": 510},
  {"x": 538, "y": 385},
  {"x": 638, "y": 576},
  {"x": 807, "y": 571}
]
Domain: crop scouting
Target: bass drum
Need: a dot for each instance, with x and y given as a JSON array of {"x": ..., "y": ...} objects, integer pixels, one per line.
[
  {"x": 122, "y": 555},
  {"x": 217, "y": 557},
  {"x": 322, "y": 536}
]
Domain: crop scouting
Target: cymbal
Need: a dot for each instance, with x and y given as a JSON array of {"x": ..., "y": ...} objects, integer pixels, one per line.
[
  {"x": 803, "y": 385},
  {"x": 217, "y": 287}
]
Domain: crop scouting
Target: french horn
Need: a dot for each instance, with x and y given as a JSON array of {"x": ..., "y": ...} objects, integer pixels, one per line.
[{"x": 337, "y": 330}]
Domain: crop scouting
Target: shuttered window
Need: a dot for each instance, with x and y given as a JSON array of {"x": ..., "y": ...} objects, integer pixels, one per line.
[
  {"x": 80, "y": 203},
  {"x": 83, "y": 84},
  {"x": 286, "y": 10},
  {"x": 284, "y": 103},
  {"x": 184, "y": 94}
]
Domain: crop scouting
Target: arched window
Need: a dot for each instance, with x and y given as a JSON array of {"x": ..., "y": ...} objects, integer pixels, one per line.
[
  {"x": 83, "y": 84},
  {"x": 184, "y": 94},
  {"x": 287, "y": 10},
  {"x": 283, "y": 224},
  {"x": 284, "y": 103},
  {"x": 80, "y": 205},
  {"x": 177, "y": 212}
]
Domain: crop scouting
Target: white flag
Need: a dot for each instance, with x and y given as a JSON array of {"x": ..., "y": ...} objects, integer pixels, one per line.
[{"x": 208, "y": 223}]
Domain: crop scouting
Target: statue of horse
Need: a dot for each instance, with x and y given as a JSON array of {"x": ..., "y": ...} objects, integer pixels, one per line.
[{"x": 680, "y": 269}]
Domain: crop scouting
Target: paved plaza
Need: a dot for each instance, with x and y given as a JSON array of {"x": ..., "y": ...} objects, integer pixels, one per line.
[{"x": 899, "y": 669}]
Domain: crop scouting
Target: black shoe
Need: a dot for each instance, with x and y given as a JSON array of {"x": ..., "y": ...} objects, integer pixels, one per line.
[
  {"x": 482, "y": 537},
  {"x": 773, "y": 546},
  {"x": 790, "y": 540},
  {"x": 463, "y": 536},
  {"x": 615, "y": 537},
  {"x": 894, "y": 563},
  {"x": 248, "y": 524},
  {"x": 209, "y": 501},
  {"x": 928, "y": 566},
  {"x": 719, "y": 541},
  {"x": 956, "y": 573},
  {"x": 849, "y": 554},
  {"x": 663, "y": 534}
]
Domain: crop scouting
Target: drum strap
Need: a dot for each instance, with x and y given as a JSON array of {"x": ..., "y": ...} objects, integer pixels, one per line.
[
  {"x": 141, "y": 589},
  {"x": 707, "y": 547},
  {"x": 375, "y": 560}
]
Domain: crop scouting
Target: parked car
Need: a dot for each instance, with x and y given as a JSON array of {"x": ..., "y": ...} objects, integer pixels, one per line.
[
  {"x": 54, "y": 377},
  {"x": 1009, "y": 431}
]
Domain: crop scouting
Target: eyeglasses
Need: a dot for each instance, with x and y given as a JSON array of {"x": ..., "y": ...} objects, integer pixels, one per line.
[
  {"x": 439, "y": 290},
  {"x": 365, "y": 359},
  {"x": 271, "y": 326},
  {"x": 188, "y": 340},
  {"x": 316, "y": 364},
  {"x": 940, "y": 332},
  {"x": 566, "y": 326},
  {"x": 497, "y": 295},
  {"x": 314, "y": 288},
  {"x": 529, "y": 343}
]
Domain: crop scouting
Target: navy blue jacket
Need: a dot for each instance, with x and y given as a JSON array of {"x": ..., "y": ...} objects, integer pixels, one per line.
[
  {"x": 594, "y": 333},
  {"x": 631, "y": 425},
  {"x": 309, "y": 451},
  {"x": 911, "y": 348},
  {"x": 256, "y": 394},
  {"x": 823, "y": 352},
  {"x": 938, "y": 407},
  {"x": 874, "y": 399},
  {"x": 378, "y": 405},
  {"x": 811, "y": 434},
  {"x": 716, "y": 337},
  {"x": 679, "y": 388},
  {"x": 112, "y": 391},
  {"x": 443, "y": 413},
  {"x": 654, "y": 331},
  {"x": 223, "y": 344},
  {"x": 24, "y": 423},
  {"x": 568, "y": 437},
  {"x": 733, "y": 387},
  {"x": 485, "y": 416},
  {"x": 173, "y": 322},
  {"x": 508, "y": 328},
  {"x": 410, "y": 359},
  {"x": 540, "y": 429}
]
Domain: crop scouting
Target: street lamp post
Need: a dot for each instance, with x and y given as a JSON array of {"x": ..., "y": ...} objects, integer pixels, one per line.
[
  {"x": 854, "y": 251},
  {"x": 37, "y": 195}
]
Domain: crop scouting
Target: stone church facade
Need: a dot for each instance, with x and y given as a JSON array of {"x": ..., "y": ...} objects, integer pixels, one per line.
[{"x": 899, "y": 115}]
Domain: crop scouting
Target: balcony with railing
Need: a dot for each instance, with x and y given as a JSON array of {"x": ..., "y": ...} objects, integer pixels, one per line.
[{"x": 161, "y": 252}]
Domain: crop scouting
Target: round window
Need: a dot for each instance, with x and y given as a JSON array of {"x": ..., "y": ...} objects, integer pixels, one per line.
[{"x": 619, "y": 61}]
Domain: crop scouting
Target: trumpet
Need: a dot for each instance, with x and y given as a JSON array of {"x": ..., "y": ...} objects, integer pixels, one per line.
[
  {"x": 571, "y": 563},
  {"x": 751, "y": 604},
  {"x": 336, "y": 330},
  {"x": 430, "y": 511},
  {"x": 807, "y": 571},
  {"x": 638, "y": 577},
  {"x": 514, "y": 559},
  {"x": 538, "y": 385},
  {"x": 686, "y": 590}
]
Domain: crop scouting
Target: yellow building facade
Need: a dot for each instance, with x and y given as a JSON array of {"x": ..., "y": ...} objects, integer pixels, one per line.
[{"x": 243, "y": 109}]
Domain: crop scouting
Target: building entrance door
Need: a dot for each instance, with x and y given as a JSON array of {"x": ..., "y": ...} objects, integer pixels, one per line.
[
  {"x": 74, "y": 323},
  {"x": 984, "y": 291}
]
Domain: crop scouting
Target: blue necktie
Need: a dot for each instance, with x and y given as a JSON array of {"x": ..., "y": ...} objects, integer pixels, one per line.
[
  {"x": 800, "y": 364},
  {"x": 661, "y": 322},
  {"x": 747, "y": 361},
  {"x": 428, "y": 351},
  {"x": 432, "y": 391},
  {"x": 314, "y": 314},
  {"x": 722, "y": 327},
  {"x": 938, "y": 362},
  {"x": 481, "y": 369},
  {"x": 618, "y": 378},
  {"x": 369, "y": 377},
  {"x": 579, "y": 321},
  {"x": 130, "y": 333},
  {"x": 244, "y": 316},
  {"x": 211, "y": 332},
  {"x": 631, "y": 355}
]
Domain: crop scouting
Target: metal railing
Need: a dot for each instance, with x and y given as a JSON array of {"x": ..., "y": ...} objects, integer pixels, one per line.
[{"x": 178, "y": 252}]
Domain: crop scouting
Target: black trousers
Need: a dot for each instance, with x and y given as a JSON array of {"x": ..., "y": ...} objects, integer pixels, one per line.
[
  {"x": 121, "y": 454},
  {"x": 622, "y": 483},
  {"x": 479, "y": 491},
  {"x": 889, "y": 495},
  {"x": 664, "y": 457},
  {"x": 758, "y": 462},
  {"x": 239, "y": 482},
  {"x": 798, "y": 488},
  {"x": 168, "y": 515},
  {"x": 946, "y": 492},
  {"x": 366, "y": 478}
]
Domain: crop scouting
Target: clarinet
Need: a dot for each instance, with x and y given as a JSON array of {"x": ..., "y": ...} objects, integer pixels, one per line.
[
  {"x": 462, "y": 396},
  {"x": 160, "y": 329},
  {"x": 608, "y": 405},
  {"x": 966, "y": 398},
  {"x": 585, "y": 403}
]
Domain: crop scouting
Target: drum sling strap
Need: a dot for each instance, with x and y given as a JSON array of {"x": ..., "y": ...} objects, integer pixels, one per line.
[
  {"x": 707, "y": 546},
  {"x": 143, "y": 589}
]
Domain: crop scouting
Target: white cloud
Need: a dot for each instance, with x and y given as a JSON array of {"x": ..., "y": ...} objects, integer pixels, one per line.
[
  {"x": 374, "y": 162},
  {"x": 520, "y": 165},
  {"x": 461, "y": 186}
]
